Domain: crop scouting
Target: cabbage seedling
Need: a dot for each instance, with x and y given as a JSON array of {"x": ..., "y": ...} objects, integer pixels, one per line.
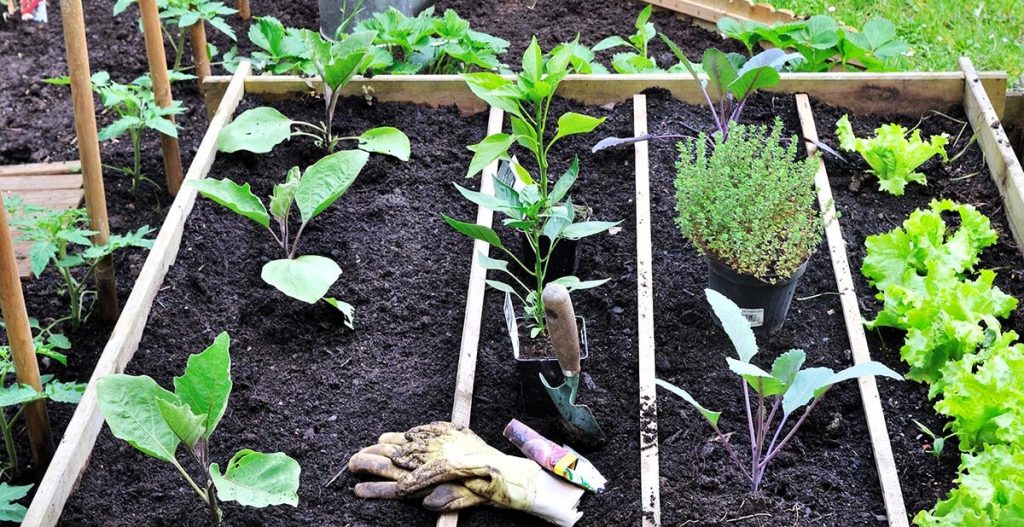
[
  {"x": 306, "y": 277},
  {"x": 259, "y": 130},
  {"x": 787, "y": 389},
  {"x": 156, "y": 421}
]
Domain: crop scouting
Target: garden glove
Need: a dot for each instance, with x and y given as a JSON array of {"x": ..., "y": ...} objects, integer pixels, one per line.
[{"x": 456, "y": 469}]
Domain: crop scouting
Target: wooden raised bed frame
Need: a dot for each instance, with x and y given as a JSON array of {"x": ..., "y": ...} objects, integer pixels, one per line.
[{"x": 907, "y": 93}]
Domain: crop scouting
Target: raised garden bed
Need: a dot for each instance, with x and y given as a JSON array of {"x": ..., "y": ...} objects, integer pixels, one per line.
[{"x": 613, "y": 314}]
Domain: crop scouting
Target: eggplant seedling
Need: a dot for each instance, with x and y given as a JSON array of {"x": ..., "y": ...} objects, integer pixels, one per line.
[
  {"x": 532, "y": 205},
  {"x": 156, "y": 421},
  {"x": 306, "y": 277},
  {"x": 787, "y": 389},
  {"x": 259, "y": 130}
]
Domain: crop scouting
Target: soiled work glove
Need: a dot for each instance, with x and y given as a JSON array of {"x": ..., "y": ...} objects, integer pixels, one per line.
[{"x": 455, "y": 469}]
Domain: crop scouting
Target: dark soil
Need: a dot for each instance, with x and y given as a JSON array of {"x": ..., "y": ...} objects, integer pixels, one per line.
[
  {"x": 868, "y": 211},
  {"x": 826, "y": 476}
]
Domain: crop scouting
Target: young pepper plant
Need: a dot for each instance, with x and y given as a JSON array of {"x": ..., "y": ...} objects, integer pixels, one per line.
[
  {"x": 303, "y": 277},
  {"x": 61, "y": 238},
  {"x": 639, "y": 60},
  {"x": 156, "y": 421},
  {"x": 531, "y": 205},
  {"x": 259, "y": 130},
  {"x": 787, "y": 389}
]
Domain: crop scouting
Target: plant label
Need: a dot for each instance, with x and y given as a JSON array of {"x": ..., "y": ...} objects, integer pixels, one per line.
[
  {"x": 511, "y": 324},
  {"x": 754, "y": 316}
]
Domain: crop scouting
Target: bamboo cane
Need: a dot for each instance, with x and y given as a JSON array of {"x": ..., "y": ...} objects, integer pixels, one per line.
[
  {"x": 19, "y": 336},
  {"x": 243, "y": 9},
  {"x": 200, "y": 53},
  {"x": 161, "y": 88}
]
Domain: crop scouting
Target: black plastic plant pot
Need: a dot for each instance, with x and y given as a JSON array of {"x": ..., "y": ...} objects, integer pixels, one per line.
[
  {"x": 533, "y": 397},
  {"x": 333, "y": 12},
  {"x": 565, "y": 261},
  {"x": 765, "y": 305}
]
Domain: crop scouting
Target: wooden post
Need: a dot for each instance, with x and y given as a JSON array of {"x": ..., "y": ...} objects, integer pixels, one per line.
[
  {"x": 200, "y": 55},
  {"x": 12, "y": 8},
  {"x": 243, "y": 9},
  {"x": 161, "y": 88},
  {"x": 89, "y": 150},
  {"x": 19, "y": 335}
]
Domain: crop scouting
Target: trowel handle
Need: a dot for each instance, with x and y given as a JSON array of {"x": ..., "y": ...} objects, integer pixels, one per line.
[{"x": 561, "y": 321}]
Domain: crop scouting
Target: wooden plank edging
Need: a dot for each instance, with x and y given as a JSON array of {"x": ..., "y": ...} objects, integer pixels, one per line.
[
  {"x": 909, "y": 93},
  {"x": 463, "y": 403},
  {"x": 885, "y": 463},
  {"x": 39, "y": 169},
  {"x": 76, "y": 446},
  {"x": 650, "y": 481},
  {"x": 1002, "y": 163},
  {"x": 713, "y": 10}
]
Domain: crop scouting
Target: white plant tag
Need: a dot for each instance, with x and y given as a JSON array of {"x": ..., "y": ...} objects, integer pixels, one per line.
[
  {"x": 754, "y": 316},
  {"x": 512, "y": 325}
]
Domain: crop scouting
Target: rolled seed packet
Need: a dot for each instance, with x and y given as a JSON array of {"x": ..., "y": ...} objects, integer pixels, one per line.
[{"x": 561, "y": 461}]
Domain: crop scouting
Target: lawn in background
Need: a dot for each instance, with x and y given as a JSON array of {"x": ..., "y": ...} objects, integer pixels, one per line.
[{"x": 990, "y": 32}]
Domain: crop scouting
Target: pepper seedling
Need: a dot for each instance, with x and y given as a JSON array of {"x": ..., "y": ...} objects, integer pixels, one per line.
[
  {"x": 306, "y": 277},
  {"x": 259, "y": 130},
  {"x": 532, "y": 206},
  {"x": 787, "y": 388},
  {"x": 156, "y": 421}
]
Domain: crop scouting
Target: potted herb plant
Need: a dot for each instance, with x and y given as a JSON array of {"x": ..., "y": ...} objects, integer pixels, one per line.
[
  {"x": 748, "y": 205},
  {"x": 535, "y": 204}
]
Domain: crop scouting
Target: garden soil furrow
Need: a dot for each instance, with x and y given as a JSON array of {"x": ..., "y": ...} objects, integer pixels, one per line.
[
  {"x": 826, "y": 476},
  {"x": 866, "y": 211}
]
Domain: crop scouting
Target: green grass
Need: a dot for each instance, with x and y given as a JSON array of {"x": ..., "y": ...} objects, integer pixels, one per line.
[{"x": 990, "y": 32}]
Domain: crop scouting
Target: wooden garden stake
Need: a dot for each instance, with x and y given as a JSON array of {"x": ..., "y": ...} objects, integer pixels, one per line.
[
  {"x": 19, "y": 335},
  {"x": 243, "y": 9},
  {"x": 161, "y": 88},
  {"x": 89, "y": 150},
  {"x": 200, "y": 53},
  {"x": 12, "y": 8}
]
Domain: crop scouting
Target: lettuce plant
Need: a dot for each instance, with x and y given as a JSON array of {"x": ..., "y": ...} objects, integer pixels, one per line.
[
  {"x": 61, "y": 239},
  {"x": 529, "y": 202},
  {"x": 156, "y": 421},
  {"x": 259, "y": 130},
  {"x": 989, "y": 492},
  {"x": 893, "y": 158},
  {"x": 786, "y": 389},
  {"x": 306, "y": 277},
  {"x": 921, "y": 271}
]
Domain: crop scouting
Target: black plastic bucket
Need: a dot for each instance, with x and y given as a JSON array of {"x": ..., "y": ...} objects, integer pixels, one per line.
[
  {"x": 533, "y": 397},
  {"x": 565, "y": 261},
  {"x": 333, "y": 12},
  {"x": 764, "y": 305}
]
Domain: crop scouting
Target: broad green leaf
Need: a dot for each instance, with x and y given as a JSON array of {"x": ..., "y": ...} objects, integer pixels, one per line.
[
  {"x": 784, "y": 370},
  {"x": 734, "y": 323},
  {"x": 16, "y": 394},
  {"x": 721, "y": 73},
  {"x": 484, "y": 200},
  {"x": 10, "y": 511},
  {"x": 746, "y": 369},
  {"x": 477, "y": 232},
  {"x": 564, "y": 183},
  {"x": 761, "y": 71},
  {"x": 611, "y": 42},
  {"x": 501, "y": 286},
  {"x": 129, "y": 404},
  {"x": 306, "y": 278},
  {"x": 284, "y": 195},
  {"x": 257, "y": 130},
  {"x": 39, "y": 255},
  {"x": 255, "y": 479},
  {"x": 571, "y": 123},
  {"x": 805, "y": 385},
  {"x": 493, "y": 147},
  {"x": 64, "y": 392},
  {"x": 587, "y": 228},
  {"x": 491, "y": 263},
  {"x": 533, "y": 61},
  {"x": 346, "y": 309},
  {"x": 385, "y": 140},
  {"x": 326, "y": 180},
  {"x": 862, "y": 370},
  {"x": 206, "y": 383},
  {"x": 188, "y": 426},
  {"x": 495, "y": 90},
  {"x": 237, "y": 198},
  {"x": 573, "y": 283},
  {"x": 711, "y": 416}
]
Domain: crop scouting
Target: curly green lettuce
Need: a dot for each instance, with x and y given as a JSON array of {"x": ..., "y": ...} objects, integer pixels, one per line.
[
  {"x": 990, "y": 492},
  {"x": 893, "y": 158}
]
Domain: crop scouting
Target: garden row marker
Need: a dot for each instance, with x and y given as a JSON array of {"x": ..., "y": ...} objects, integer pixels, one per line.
[
  {"x": 1002, "y": 163},
  {"x": 76, "y": 445},
  {"x": 161, "y": 88},
  {"x": 885, "y": 463},
  {"x": 89, "y": 150},
  {"x": 903, "y": 93},
  {"x": 243, "y": 9},
  {"x": 19, "y": 336},
  {"x": 200, "y": 54},
  {"x": 466, "y": 376},
  {"x": 650, "y": 495}
]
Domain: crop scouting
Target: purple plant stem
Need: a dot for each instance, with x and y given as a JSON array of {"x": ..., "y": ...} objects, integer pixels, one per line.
[{"x": 772, "y": 453}]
